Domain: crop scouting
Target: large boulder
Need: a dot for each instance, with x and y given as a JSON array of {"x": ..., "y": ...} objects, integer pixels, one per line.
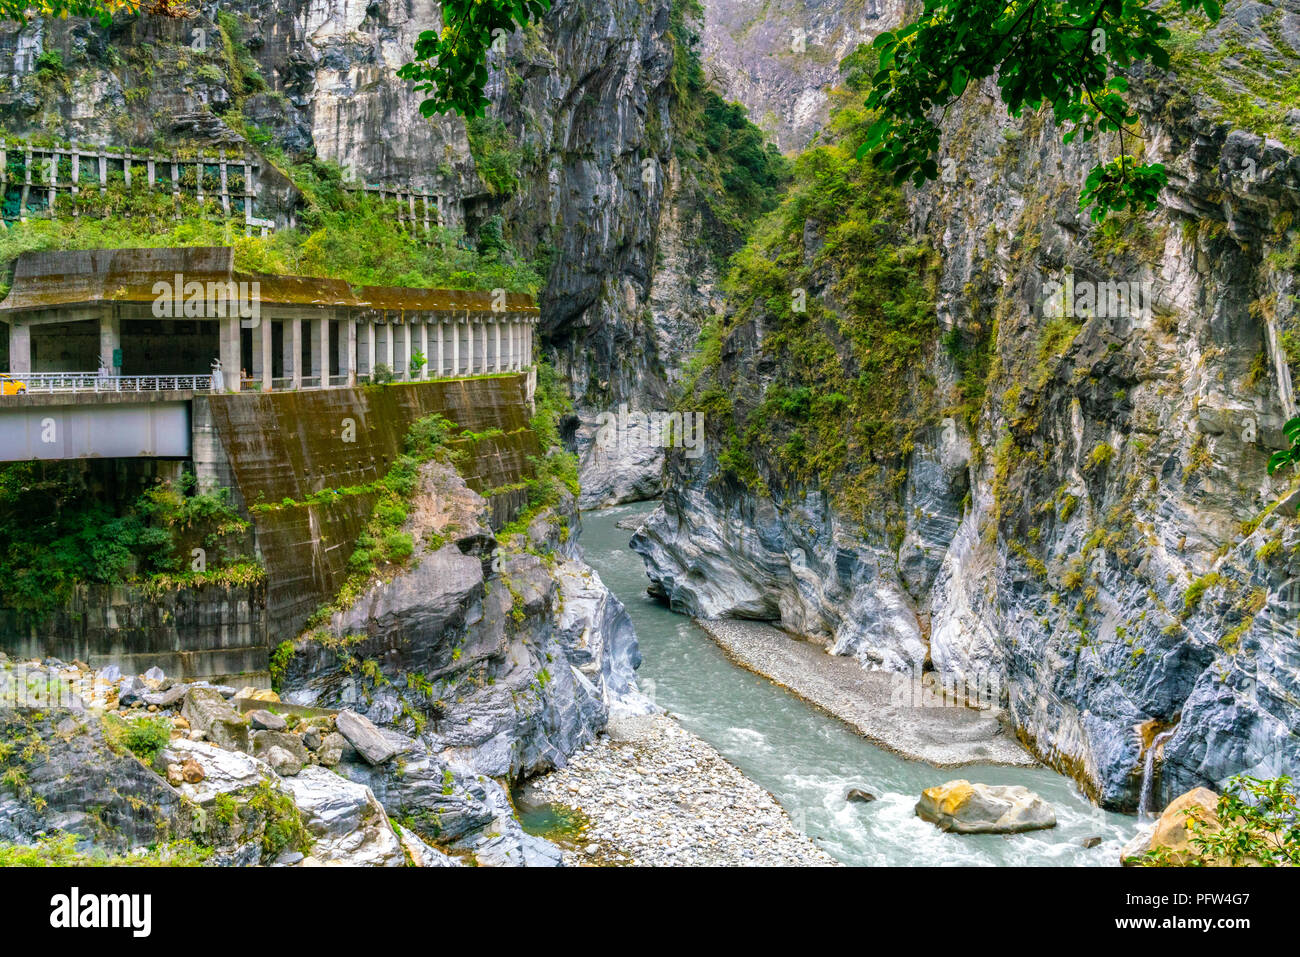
[
  {"x": 208, "y": 711},
  {"x": 72, "y": 781},
  {"x": 966, "y": 808},
  {"x": 348, "y": 824},
  {"x": 367, "y": 739},
  {"x": 1171, "y": 836},
  {"x": 283, "y": 751}
]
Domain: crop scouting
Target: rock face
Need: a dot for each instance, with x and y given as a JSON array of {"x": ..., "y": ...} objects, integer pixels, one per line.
[
  {"x": 68, "y": 769},
  {"x": 208, "y": 712},
  {"x": 348, "y": 824},
  {"x": 781, "y": 61},
  {"x": 1096, "y": 539},
  {"x": 503, "y": 659},
  {"x": 364, "y": 737},
  {"x": 68, "y": 779},
  {"x": 965, "y": 808}
]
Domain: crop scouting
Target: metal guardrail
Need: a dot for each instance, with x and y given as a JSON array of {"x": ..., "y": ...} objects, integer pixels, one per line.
[{"x": 52, "y": 382}]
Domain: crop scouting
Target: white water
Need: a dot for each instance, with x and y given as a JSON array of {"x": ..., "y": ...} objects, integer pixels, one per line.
[{"x": 808, "y": 759}]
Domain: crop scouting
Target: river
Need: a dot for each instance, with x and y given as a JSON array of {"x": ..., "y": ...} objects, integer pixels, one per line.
[{"x": 807, "y": 759}]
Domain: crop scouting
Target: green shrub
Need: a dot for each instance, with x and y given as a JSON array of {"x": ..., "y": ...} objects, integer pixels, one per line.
[
  {"x": 144, "y": 737},
  {"x": 61, "y": 851},
  {"x": 279, "y": 663},
  {"x": 1258, "y": 825}
]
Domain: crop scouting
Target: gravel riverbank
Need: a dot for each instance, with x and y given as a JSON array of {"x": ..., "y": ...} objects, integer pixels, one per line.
[
  {"x": 884, "y": 707},
  {"x": 655, "y": 794}
]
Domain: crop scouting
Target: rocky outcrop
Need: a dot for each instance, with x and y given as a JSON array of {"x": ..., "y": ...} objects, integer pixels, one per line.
[
  {"x": 1085, "y": 518},
  {"x": 966, "y": 808},
  {"x": 119, "y": 777},
  {"x": 505, "y": 658},
  {"x": 781, "y": 62}
]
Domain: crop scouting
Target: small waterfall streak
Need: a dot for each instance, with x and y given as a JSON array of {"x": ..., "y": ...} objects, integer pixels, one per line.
[{"x": 1148, "y": 774}]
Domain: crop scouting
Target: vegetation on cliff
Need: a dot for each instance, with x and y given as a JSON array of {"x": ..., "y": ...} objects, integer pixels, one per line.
[
  {"x": 1256, "y": 824},
  {"x": 57, "y": 535},
  {"x": 343, "y": 234},
  {"x": 845, "y": 304},
  {"x": 735, "y": 175},
  {"x": 1070, "y": 55}
]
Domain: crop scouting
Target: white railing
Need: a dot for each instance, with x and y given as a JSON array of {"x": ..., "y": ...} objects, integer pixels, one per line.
[{"x": 50, "y": 382}]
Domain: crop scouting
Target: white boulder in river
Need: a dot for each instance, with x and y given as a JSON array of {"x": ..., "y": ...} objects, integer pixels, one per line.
[{"x": 984, "y": 808}]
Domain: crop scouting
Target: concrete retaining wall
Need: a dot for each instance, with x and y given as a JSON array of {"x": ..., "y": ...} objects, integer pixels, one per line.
[
  {"x": 288, "y": 445},
  {"x": 213, "y": 632}
]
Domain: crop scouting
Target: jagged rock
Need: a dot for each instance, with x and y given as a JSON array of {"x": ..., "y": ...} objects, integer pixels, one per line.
[
  {"x": 965, "y": 808},
  {"x": 311, "y": 739},
  {"x": 857, "y": 794},
  {"x": 348, "y": 824},
  {"x": 552, "y": 642},
  {"x": 420, "y": 853},
  {"x": 443, "y": 804},
  {"x": 74, "y": 782},
  {"x": 175, "y": 775},
  {"x": 266, "y": 720},
  {"x": 517, "y": 849},
  {"x": 362, "y": 734},
  {"x": 192, "y": 772},
  {"x": 132, "y": 692},
  {"x": 224, "y": 771},
  {"x": 331, "y": 749},
  {"x": 284, "y": 752},
  {"x": 210, "y": 714},
  {"x": 1091, "y": 842},
  {"x": 281, "y": 761},
  {"x": 167, "y": 699}
]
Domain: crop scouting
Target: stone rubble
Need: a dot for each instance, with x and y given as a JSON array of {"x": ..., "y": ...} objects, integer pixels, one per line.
[{"x": 655, "y": 794}]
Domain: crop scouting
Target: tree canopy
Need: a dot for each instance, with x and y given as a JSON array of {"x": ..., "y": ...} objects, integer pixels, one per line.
[
  {"x": 452, "y": 62},
  {"x": 1070, "y": 54}
]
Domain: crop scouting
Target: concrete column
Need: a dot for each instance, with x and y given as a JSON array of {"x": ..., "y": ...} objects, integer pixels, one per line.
[
  {"x": 406, "y": 347},
  {"x": 20, "y": 347},
  {"x": 370, "y": 347},
  {"x": 293, "y": 351},
  {"x": 388, "y": 346},
  {"x": 324, "y": 343},
  {"x": 438, "y": 373},
  {"x": 518, "y": 336},
  {"x": 483, "y": 343},
  {"x": 528, "y": 344},
  {"x": 496, "y": 354},
  {"x": 424, "y": 347},
  {"x": 351, "y": 351},
  {"x": 455, "y": 347},
  {"x": 341, "y": 337},
  {"x": 228, "y": 346},
  {"x": 318, "y": 334},
  {"x": 110, "y": 340},
  {"x": 262, "y": 336}
]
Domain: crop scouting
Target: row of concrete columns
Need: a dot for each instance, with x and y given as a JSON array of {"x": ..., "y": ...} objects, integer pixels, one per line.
[
  {"x": 451, "y": 348},
  {"x": 110, "y": 345}
]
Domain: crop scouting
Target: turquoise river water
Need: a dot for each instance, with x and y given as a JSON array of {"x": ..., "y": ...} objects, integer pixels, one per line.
[{"x": 808, "y": 759}]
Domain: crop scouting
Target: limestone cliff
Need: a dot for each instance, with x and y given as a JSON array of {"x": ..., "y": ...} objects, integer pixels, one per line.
[{"x": 1083, "y": 511}]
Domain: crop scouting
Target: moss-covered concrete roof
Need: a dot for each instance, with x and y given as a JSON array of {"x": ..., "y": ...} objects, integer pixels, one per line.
[{"x": 50, "y": 280}]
